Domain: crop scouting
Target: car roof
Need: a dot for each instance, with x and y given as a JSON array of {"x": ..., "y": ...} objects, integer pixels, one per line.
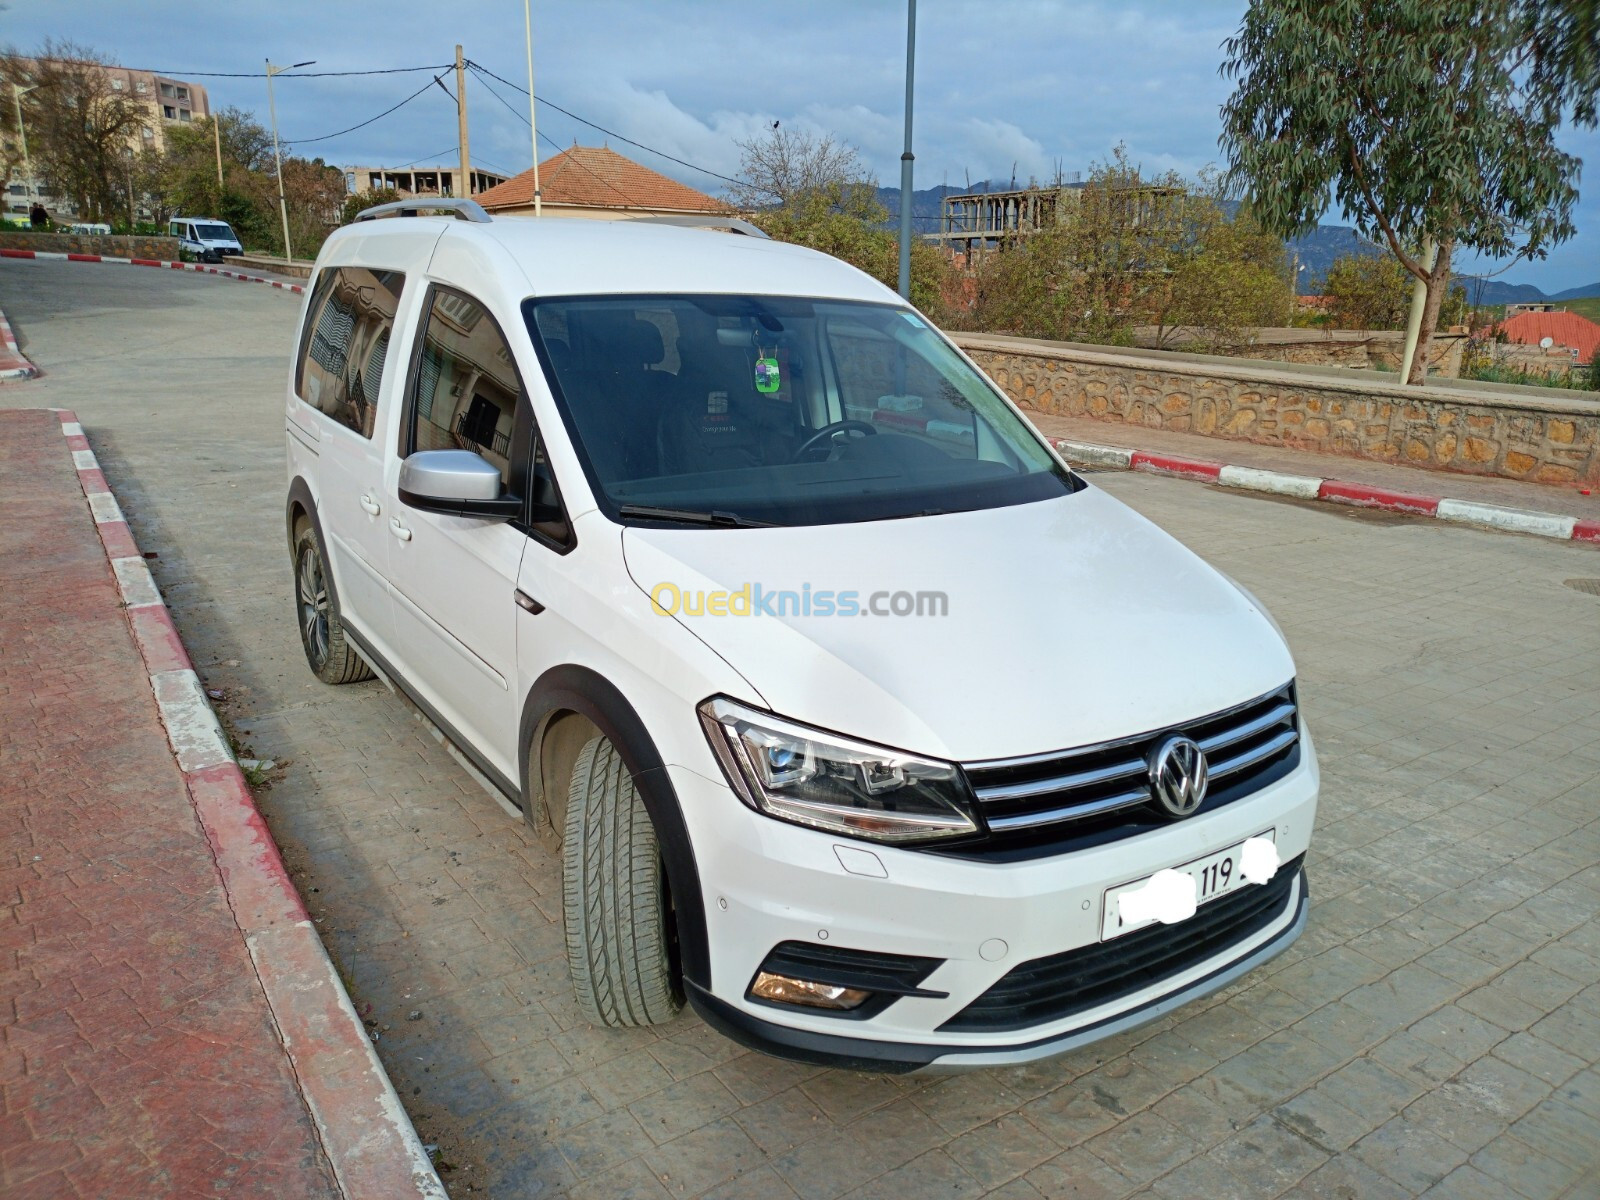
[{"x": 567, "y": 256}]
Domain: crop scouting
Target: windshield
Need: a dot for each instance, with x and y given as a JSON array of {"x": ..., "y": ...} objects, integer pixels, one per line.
[
  {"x": 213, "y": 232},
  {"x": 737, "y": 409}
]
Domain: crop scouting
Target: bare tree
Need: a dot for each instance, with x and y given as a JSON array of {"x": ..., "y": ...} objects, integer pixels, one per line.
[
  {"x": 80, "y": 131},
  {"x": 787, "y": 166}
]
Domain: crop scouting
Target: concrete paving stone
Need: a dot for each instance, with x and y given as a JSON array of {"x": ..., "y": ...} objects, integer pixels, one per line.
[
  {"x": 1002, "y": 1150},
  {"x": 1457, "y": 1113},
  {"x": 763, "y": 1182},
  {"x": 1539, "y": 1058},
  {"x": 1079, "y": 1175},
  {"x": 1269, "y": 1156},
  {"x": 1460, "y": 746},
  {"x": 1527, "y": 1170},
  {"x": 1201, "y": 1176},
  {"x": 1503, "y": 1088},
  {"x": 934, "y": 1174},
  {"x": 1412, "y": 1156},
  {"x": 601, "y": 1143},
  {"x": 783, "y": 1121},
  {"x": 710, "y": 1155},
  {"x": 1318, "y": 1118},
  {"x": 1143, "y": 1147},
  {"x": 1347, "y": 1178},
  {"x": 1466, "y": 1182}
]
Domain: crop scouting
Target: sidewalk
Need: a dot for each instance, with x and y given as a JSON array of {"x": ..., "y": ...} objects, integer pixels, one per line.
[
  {"x": 143, "y": 1038},
  {"x": 1508, "y": 493}
]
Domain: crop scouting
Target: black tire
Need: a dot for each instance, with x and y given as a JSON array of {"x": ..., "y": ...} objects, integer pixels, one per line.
[
  {"x": 614, "y": 897},
  {"x": 328, "y": 652}
]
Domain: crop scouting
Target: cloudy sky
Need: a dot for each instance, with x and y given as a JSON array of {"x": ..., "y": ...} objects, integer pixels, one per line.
[{"x": 1008, "y": 85}]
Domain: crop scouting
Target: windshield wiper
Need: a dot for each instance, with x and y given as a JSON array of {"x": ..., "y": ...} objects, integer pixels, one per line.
[{"x": 685, "y": 516}]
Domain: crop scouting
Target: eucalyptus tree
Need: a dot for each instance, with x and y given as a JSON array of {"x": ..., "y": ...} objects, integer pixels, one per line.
[{"x": 1428, "y": 122}]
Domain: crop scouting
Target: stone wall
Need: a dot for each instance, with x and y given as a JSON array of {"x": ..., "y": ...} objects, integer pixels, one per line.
[
  {"x": 112, "y": 245},
  {"x": 1515, "y": 433},
  {"x": 1332, "y": 348}
]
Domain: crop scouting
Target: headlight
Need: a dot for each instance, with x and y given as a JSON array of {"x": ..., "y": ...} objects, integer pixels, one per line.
[{"x": 803, "y": 775}]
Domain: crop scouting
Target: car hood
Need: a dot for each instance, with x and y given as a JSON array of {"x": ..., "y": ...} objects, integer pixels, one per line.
[{"x": 1070, "y": 621}]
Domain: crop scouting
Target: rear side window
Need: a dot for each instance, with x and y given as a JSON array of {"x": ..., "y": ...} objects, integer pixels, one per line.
[
  {"x": 346, "y": 342},
  {"x": 467, "y": 387}
]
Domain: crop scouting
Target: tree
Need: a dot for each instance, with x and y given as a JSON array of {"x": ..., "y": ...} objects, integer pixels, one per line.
[
  {"x": 787, "y": 166},
  {"x": 358, "y": 201},
  {"x": 1367, "y": 291},
  {"x": 80, "y": 130},
  {"x": 1562, "y": 51},
  {"x": 1126, "y": 251},
  {"x": 1414, "y": 117}
]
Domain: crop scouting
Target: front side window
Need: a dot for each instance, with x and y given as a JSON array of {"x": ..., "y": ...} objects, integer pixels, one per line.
[
  {"x": 346, "y": 343},
  {"x": 780, "y": 410},
  {"x": 466, "y": 387}
]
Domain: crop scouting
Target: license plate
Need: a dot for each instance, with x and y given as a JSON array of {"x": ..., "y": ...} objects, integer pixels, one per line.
[{"x": 1214, "y": 875}]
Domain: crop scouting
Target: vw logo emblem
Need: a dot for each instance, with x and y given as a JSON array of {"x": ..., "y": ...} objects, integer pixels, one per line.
[{"x": 1178, "y": 776}]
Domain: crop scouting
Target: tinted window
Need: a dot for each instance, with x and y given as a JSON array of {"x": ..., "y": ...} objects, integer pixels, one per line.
[
  {"x": 782, "y": 410},
  {"x": 346, "y": 343},
  {"x": 214, "y": 232},
  {"x": 466, "y": 387}
]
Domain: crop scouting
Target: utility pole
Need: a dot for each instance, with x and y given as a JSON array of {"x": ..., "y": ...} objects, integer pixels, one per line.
[
  {"x": 272, "y": 108},
  {"x": 533, "y": 116},
  {"x": 216, "y": 137},
  {"x": 906, "y": 158},
  {"x": 461, "y": 124}
]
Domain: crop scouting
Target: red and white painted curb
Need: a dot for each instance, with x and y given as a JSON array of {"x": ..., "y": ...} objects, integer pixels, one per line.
[
  {"x": 197, "y": 268},
  {"x": 1309, "y": 487},
  {"x": 370, "y": 1142},
  {"x": 13, "y": 363}
]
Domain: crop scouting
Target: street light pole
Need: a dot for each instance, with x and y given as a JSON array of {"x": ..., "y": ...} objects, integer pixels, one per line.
[
  {"x": 533, "y": 116},
  {"x": 17, "y": 93},
  {"x": 461, "y": 124},
  {"x": 272, "y": 108},
  {"x": 907, "y": 157}
]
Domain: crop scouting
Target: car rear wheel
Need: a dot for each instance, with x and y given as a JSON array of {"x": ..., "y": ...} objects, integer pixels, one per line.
[
  {"x": 614, "y": 896},
  {"x": 331, "y": 657}
]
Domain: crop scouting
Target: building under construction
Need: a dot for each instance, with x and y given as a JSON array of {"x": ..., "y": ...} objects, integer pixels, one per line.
[
  {"x": 978, "y": 221},
  {"x": 419, "y": 181}
]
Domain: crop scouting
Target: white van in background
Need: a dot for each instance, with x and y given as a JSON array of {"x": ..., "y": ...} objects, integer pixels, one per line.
[{"x": 207, "y": 238}]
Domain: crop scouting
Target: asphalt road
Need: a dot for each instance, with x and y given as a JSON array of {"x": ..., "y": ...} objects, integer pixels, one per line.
[{"x": 1437, "y": 1027}]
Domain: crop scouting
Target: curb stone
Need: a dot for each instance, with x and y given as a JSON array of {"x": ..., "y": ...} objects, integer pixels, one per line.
[
  {"x": 13, "y": 363},
  {"x": 197, "y": 268},
  {"x": 1334, "y": 491},
  {"x": 368, "y": 1138}
]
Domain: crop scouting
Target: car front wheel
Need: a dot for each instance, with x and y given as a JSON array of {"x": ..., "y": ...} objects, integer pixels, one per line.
[{"x": 331, "y": 657}]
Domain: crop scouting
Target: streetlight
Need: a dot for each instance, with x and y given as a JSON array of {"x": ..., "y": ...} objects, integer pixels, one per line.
[
  {"x": 283, "y": 205},
  {"x": 906, "y": 157},
  {"x": 17, "y": 93}
]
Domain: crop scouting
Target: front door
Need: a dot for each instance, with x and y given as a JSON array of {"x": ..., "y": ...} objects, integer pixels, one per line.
[{"x": 454, "y": 578}]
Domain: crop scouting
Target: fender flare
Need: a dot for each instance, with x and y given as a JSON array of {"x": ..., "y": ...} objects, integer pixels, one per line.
[
  {"x": 300, "y": 496},
  {"x": 592, "y": 696}
]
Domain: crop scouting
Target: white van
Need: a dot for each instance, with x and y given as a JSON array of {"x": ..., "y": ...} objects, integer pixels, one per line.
[
  {"x": 207, "y": 238},
  {"x": 858, "y": 719}
]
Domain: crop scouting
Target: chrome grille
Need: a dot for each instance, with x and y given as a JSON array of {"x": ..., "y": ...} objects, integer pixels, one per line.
[{"x": 1109, "y": 783}]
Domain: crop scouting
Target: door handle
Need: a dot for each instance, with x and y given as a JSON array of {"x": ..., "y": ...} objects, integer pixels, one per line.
[
  {"x": 527, "y": 603},
  {"x": 399, "y": 530},
  {"x": 372, "y": 506}
]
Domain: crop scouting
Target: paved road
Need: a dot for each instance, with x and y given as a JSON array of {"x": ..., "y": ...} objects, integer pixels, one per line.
[{"x": 1437, "y": 1027}]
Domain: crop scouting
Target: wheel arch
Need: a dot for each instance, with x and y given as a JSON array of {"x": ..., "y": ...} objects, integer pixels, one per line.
[{"x": 581, "y": 692}]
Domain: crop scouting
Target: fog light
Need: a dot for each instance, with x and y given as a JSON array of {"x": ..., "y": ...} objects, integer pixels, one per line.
[{"x": 784, "y": 990}]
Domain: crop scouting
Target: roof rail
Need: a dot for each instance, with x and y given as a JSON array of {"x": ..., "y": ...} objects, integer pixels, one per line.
[
  {"x": 460, "y": 206},
  {"x": 727, "y": 224}
]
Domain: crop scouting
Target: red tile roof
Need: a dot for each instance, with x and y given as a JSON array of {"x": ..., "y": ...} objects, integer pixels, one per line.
[
  {"x": 1563, "y": 328},
  {"x": 599, "y": 177}
]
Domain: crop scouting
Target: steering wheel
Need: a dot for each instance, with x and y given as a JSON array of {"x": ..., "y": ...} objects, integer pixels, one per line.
[{"x": 827, "y": 432}]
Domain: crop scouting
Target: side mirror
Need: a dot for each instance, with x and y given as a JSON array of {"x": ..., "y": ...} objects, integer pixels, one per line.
[{"x": 457, "y": 482}]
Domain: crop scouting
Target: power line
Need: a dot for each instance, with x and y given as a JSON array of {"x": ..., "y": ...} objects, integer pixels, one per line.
[
  {"x": 294, "y": 75},
  {"x": 325, "y": 137},
  {"x": 611, "y": 132},
  {"x": 488, "y": 87}
]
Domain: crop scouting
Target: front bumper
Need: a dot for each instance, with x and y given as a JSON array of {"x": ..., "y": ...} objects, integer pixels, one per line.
[{"x": 766, "y": 882}]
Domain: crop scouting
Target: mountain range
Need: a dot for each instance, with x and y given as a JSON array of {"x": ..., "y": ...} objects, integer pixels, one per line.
[{"x": 1312, "y": 252}]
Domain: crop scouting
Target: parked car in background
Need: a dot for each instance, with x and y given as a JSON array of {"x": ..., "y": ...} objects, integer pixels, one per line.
[
  {"x": 207, "y": 238},
  {"x": 858, "y": 719}
]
